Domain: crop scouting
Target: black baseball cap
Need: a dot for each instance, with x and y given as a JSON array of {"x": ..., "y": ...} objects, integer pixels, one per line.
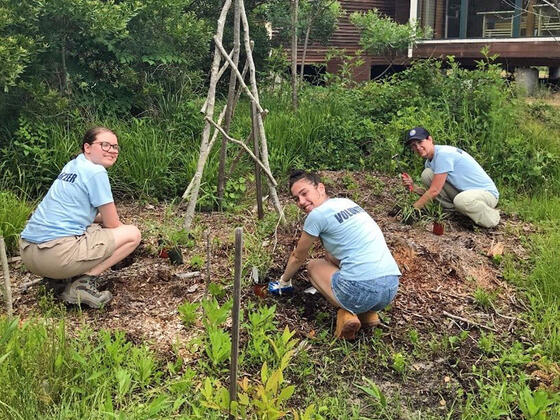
[{"x": 416, "y": 133}]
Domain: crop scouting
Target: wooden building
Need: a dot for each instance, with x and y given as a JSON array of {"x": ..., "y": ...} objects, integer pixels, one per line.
[{"x": 523, "y": 33}]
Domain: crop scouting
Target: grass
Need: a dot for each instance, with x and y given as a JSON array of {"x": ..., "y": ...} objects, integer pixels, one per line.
[{"x": 13, "y": 215}]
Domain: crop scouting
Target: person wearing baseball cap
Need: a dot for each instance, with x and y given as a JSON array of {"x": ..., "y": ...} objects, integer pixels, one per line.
[{"x": 454, "y": 178}]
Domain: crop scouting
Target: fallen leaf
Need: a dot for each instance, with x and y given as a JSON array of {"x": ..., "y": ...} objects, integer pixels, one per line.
[{"x": 495, "y": 249}]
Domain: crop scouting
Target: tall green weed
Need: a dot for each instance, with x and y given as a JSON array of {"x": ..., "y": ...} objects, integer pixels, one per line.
[{"x": 13, "y": 215}]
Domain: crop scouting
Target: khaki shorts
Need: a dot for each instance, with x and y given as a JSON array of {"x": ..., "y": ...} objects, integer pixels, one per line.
[{"x": 69, "y": 256}]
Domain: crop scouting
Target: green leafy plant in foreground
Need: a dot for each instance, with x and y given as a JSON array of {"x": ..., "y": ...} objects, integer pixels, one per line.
[
  {"x": 536, "y": 404},
  {"x": 264, "y": 399},
  {"x": 187, "y": 312},
  {"x": 371, "y": 389}
]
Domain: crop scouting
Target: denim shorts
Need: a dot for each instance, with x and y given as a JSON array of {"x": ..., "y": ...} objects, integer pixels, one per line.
[{"x": 364, "y": 295}]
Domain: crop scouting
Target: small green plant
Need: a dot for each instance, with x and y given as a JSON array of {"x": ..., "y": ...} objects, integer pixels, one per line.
[
  {"x": 483, "y": 299},
  {"x": 375, "y": 185},
  {"x": 399, "y": 362},
  {"x": 259, "y": 326},
  {"x": 196, "y": 262},
  {"x": 487, "y": 343},
  {"x": 455, "y": 340},
  {"x": 216, "y": 290},
  {"x": 349, "y": 182},
  {"x": 13, "y": 215},
  {"x": 215, "y": 314},
  {"x": 265, "y": 399},
  {"x": 535, "y": 404},
  {"x": 218, "y": 345},
  {"x": 371, "y": 389},
  {"x": 409, "y": 214},
  {"x": 187, "y": 312},
  {"x": 433, "y": 212}
]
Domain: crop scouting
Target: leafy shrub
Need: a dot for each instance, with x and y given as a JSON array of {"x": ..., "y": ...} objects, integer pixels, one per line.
[{"x": 13, "y": 215}]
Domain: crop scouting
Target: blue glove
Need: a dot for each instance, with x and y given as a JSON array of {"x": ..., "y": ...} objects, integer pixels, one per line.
[{"x": 280, "y": 287}]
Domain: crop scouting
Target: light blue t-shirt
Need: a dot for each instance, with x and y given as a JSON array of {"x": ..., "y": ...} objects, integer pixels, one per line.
[
  {"x": 463, "y": 172},
  {"x": 71, "y": 203},
  {"x": 350, "y": 235}
]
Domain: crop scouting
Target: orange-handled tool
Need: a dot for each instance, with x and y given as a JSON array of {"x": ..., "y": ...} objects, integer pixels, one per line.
[{"x": 404, "y": 175}]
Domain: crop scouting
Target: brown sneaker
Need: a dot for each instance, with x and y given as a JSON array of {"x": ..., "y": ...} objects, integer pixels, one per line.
[
  {"x": 83, "y": 291},
  {"x": 347, "y": 325},
  {"x": 369, "y": 319}
]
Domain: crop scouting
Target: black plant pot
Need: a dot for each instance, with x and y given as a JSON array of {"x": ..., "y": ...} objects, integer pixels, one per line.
[{"x": 175, "y": 255}]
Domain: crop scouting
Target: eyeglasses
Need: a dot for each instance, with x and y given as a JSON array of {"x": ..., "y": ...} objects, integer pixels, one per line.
[{"x": 106, "y": 146}]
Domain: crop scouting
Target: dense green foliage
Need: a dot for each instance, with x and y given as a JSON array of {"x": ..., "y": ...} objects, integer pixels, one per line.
[
  {"x": 318, "y": 18},
  {"x": 382, "y": 36},
  {"x": 334, "y": 128},
  {"x": 13, "y": 215}
]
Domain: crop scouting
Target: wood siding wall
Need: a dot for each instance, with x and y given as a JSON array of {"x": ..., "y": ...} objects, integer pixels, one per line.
[{"x": 347, "y": 36}]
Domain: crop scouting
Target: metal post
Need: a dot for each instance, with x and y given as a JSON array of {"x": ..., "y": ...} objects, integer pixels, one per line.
[
  {"x": 235, "y": 317},
  {"x": 413, "y": 20},
  {"x": 7, "y": 284},
  {"x": 258, "y": 183},
  {"x": 516, "y": 22},
  {"x": 463, "y": 18}
]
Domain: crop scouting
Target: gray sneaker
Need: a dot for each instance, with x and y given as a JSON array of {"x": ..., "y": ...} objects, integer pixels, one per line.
[{"x": 83, "y": 290}]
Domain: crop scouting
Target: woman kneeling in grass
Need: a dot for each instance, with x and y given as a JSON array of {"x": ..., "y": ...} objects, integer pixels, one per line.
[
  {"x": 359, "y": 274},
  {"x": 75, "y": 233}
]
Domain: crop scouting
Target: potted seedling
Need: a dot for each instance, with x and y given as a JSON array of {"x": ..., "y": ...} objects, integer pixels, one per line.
[
  {"x": 435, "y": 213},
  {"x": 170, "y": 245}
]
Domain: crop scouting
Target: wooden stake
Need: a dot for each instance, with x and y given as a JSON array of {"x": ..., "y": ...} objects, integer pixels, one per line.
[
  {"x": 258, "y": 184},
  {"x": 255, "y": 93},
  {"x": 210, "y": 102},
  {"x": 230, "y": 102},
  {"x": 235, "y": 317},
  {"x": 7, "y": 283},
  {"x": 208, "y": 255},
  {"x": 239, "y": 142}
]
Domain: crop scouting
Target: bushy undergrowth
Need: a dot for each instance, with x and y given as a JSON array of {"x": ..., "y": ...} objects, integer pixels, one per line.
[
  {"x": 335, "y": 127},
  {"x": 13, "y": 215},
  {"x": 44, "y": 373}
]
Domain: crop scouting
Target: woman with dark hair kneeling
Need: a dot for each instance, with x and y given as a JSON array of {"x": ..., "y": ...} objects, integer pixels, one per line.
[
  {"x": 75, "y": 233},
  {"x": 359, "y": 274}
]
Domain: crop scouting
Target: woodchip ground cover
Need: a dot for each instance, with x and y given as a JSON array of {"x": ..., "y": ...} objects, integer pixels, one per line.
[{"x": 452, "y": 296}]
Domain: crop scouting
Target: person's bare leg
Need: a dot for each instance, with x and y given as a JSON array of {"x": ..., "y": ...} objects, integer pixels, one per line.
[
  {"x": 127, "y": 239},
  {"x": 321, "y": 272}
]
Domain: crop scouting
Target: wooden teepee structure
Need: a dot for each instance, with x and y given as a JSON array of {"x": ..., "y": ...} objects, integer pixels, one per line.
[{"x": 221, "y": 57}]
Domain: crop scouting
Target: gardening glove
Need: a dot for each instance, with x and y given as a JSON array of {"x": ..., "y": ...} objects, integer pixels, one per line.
[{"x": 280, "y": 287}]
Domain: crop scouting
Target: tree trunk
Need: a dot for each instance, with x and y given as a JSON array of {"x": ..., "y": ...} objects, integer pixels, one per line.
[
  {"x": 187, "y": 193},
  {"x": 230, "y": 103},
  {"x": 7, "y": 283},
  {"x": 210, "y": 101},
  {"x": 294, "y": 13},
  {"x": 255, "y": 92}
]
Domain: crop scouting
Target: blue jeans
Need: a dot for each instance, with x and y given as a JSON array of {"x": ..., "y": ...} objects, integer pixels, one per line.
[{"x": 364, "y": 295}]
